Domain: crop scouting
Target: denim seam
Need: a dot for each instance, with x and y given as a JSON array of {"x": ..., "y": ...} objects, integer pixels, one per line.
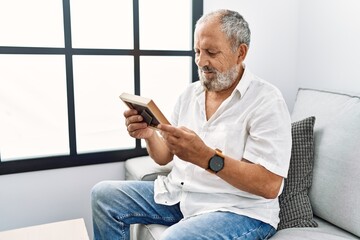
[
  {"x": 167, "y": 219},
  {"x": 258, "y": 230},
  {"x": 122, "y": 228},
  {"x": 247, "y": 233},
  {"x": 268, "y": 234}
]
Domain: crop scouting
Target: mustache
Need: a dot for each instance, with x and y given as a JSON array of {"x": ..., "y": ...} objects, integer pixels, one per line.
[{"x": 207, "y": 69}]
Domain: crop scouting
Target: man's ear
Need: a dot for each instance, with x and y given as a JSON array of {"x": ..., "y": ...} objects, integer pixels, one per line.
[{"x": 242, "y": 52}]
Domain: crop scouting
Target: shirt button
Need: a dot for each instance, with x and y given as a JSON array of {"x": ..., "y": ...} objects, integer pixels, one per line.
[{"x": 182, "y": 183}]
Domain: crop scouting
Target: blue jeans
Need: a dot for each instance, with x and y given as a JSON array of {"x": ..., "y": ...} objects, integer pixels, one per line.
[{"x": 117, "y": 204}]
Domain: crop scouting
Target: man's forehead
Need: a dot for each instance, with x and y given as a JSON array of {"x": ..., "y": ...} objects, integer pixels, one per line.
[
  {"x": 208, "y": 29},
  {"x": 209, "y": 35}
]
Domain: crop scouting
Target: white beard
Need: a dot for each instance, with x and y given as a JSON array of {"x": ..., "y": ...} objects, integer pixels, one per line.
[{"x": 220, "y": 82}]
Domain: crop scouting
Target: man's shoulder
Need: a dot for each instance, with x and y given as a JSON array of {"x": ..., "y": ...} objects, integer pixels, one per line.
[
  {"x": 264, "y": 88},
  {"x": 256, "y": 85}
]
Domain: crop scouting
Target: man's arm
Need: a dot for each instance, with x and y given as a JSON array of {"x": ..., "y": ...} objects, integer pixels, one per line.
[
  {"x": 251, "y": 177},
  {"x": 158, "y": 150},
  {"x": 246, "y": 176}
]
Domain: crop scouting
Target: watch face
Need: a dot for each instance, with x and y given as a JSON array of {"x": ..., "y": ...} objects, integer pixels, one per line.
[{"x": 216, "y": 163}]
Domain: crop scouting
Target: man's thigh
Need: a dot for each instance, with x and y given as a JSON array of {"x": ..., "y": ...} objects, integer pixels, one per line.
[
  {"x": 218, "y": 225},
  {"x": 132, "y": 202}
]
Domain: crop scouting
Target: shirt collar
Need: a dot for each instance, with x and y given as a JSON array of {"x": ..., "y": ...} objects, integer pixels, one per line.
[{"x": 245, "y": 81}]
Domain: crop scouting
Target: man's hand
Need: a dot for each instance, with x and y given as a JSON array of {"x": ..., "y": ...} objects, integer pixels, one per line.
[
  {"x": 186, "y": 144},
  {"x": 136, "y": 126}
]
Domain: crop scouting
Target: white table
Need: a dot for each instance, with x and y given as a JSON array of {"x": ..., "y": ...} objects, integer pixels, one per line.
[{"x": 66, "y": 230}]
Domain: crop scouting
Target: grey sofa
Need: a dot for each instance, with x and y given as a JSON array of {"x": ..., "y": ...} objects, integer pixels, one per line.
[{"x": 334, "y": 193}]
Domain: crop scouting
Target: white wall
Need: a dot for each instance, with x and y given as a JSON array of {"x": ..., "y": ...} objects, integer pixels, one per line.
[
  {"x": 302, "y": 43},
  {"x": 274, "y": 39},
  {"x": 33, "y": 198},
  {"x": 329, "y": 45}
]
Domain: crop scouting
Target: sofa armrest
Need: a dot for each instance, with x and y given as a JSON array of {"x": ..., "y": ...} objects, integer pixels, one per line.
[{"x": 144, "y": 168}]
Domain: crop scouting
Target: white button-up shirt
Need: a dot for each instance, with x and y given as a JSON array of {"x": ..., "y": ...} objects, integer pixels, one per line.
[{"x": 252, "y": 123}]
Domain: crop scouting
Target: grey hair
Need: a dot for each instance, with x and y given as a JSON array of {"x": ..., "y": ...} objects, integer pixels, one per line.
[{"x": 232, "y": 24}]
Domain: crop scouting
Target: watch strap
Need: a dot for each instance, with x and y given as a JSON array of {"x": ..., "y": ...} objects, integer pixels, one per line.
[{"x": 219, "y": 152}]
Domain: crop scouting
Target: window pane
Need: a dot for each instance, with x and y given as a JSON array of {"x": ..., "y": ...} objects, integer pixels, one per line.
[
  {"x": 35, "y": 23},
  {"x": 102, "y": 24},
  {"x": 159, "y": 82},
  {"x": 33, "y": 106},
  {"x": 165, "y": 25},
  {"x": 98, "y": 83}
]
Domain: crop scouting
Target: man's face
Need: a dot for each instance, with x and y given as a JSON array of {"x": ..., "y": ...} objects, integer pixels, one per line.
[{"x": 218, "y": 65}]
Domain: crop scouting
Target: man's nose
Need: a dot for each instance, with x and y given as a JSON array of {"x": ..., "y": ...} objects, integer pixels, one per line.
[{"x": 201, "y": 60}]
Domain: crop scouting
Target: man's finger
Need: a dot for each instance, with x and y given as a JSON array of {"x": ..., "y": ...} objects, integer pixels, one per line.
[{"x": 170, "y": 130}]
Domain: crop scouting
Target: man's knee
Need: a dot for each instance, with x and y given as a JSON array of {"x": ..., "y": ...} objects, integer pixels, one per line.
[
  {"x": 97, "y": 194},
  {"x": 103, "y": 192},
  {"x": 99, "y": 191}
]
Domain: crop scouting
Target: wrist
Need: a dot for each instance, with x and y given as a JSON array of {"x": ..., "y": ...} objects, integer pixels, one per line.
[
  {"x": 207, "y": 154},
  {"x": 216, "y": 162}
]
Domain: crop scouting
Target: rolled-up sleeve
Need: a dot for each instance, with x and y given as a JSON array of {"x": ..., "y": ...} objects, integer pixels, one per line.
[{"x": 269, "y": 140}]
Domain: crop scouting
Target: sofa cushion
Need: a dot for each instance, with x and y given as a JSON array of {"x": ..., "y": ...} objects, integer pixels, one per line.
[
  {"x": 335, "y": 192},
  {"x": 325, "y": 231},
  {"x": 295, "y": 207},
  {"x": 144, "y": 168}
]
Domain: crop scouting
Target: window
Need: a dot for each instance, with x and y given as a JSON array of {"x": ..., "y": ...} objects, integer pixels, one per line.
[{"x": 62, "y": 72}]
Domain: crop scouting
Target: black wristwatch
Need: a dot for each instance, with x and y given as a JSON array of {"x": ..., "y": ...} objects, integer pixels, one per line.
[{"x": 216, "y": 162}]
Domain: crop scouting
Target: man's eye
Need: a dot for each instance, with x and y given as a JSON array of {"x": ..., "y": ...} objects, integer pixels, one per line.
[{"x": 212, "y": 53}]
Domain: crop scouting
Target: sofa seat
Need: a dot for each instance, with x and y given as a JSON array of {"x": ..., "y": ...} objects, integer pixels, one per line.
[{"x": 325, "y": 231}]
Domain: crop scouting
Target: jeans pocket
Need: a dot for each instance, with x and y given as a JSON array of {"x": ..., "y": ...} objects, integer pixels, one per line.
[
  {"x": 262, "y": 232},
  {"x": 266, "y": 231}
]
